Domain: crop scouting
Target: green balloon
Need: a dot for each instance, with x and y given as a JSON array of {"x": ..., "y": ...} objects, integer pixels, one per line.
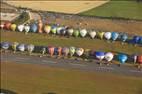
[
  {"x": 72, "y": 51},
  {"x": 76, "y": 33},
  {"x": 54, "y": 30}
]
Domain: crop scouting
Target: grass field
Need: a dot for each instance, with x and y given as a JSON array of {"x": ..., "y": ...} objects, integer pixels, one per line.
[
  {"x": 125, "y": 9},
  {"x": 96, "y": 44},
  {"x": 40, "y": 79}
]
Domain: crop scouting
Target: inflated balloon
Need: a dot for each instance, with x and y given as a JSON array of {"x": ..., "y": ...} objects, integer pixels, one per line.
[
  {"x": 59, "y": 30},
  {"x": 122, "y": 58},
  {"x": 43, "y": 50},
  {"x": 70, "y": 31},
  {"x": 140, "y": 40},
  {"x": 63, "y": 31},
  {"x": 107, "y": 35},
  {"x": 51, "y": 50},
  {"x": 1, "y": 26},
  {"x": 34, "y": 28},
  {"x": 27, "y": 28},
  {"x": 30, "y": 48},
  {"x": 59, "y": 51},
  {"x": 47, "y": 29},
  {"x": 13, "y": 27},
  {"x": 101, "y": 34},
  {"x": 7, "y": 25},
  {"x": 54, "y": 29},
  {"x": 79, "y": 51},
  {"x": 21, "y": 47},
  {"x": 5, "y": 45},
  {"x": 14, "y": 46},
  {"x": 40, "y": 25},
  {"x": 76, "y": 33},
  {"x": 92, "y": 34},
  {"x": 65, "y": 51},
  {"x": 136, "y": 39},
  {"x": 72, "y": 51},
  {"x": 140, "y": 59},
  {"x": 100, "y": 55},
  {"x": 114, "y": 36},
  {"x": 124, "y": 37},
  {"x": 109, "y": 56},
  {"x": 83, "y": 32},
  {"x": 20, "y": 28}
]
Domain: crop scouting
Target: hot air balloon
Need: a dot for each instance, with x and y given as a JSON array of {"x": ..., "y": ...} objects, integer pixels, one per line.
[
  {"x": 79, "y": 51},
  {"x": 47, "y": 29},
  {"x": 136, "y": 39},
  {"x": 51, "y": 50},
  {"x": 114, "y": 36},
  {"x": 40, "y": 25},
  {"x": 76, "y": 33},
  {"x": 14, "y": 46},
  {"x": 7, "y": 25},
  {"x": 140, "y": 40},
  {"x": 43, "y": 51},
  {"x": 34, "y": 27},
  {"x": 13, "y": 27},
  {"x": 21, "y": 47},
  {"x": 27, "y": 28},
  {"x": 65, "y": 51},
  {"x": 5, "y": 45},
  {"x": 123, "y": 37},
  {"x": 92, "y": 34},
  {"x": 109, "y": 56},
  {"x": 140, "y": 61},
  {"x": 54, "y": 29},
  {"x": 59, "y": 30},
  {"x": 59, "y": 51},
  {"x": 83, "y": 32},
  {"x": 100, "y": 56},
  {"x": 107, "y": 35},
  {"x": 71, "y": 51},
  {"x": 134, "y": 57},
  {"x": 87, "y": 53},
  {"x": 63, "y": 31},
  {"x": 20, "y": 28},
  {"x": 70, "y": 31},
  {"x": 1, "y": 26},
  {"x": 100, "y": 34},
  {"x": 30, "y": 48},
  {"x": 122, "y": 58}
]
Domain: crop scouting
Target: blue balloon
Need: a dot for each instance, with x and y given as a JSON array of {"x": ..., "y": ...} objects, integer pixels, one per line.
[
  {"x": 55, "y": 51},
  {"x": 124, "y": 37},
  {"x": 114, "y": 35},
  {"x": 140, "y": 40},
  {"x": 136, "y": 39},
  {"x": 99, "y": 53},
  {"x": 122, "y": 58},
  {"x": 5, "y": 45},
  {"x": 34, "y": 28}
]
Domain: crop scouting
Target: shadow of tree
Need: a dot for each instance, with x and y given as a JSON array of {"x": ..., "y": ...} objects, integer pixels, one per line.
[{"x": 5, "y": 91}]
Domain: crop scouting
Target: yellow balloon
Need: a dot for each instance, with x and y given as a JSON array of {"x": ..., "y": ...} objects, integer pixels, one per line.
[
  {"x": 13, "y": 27},
  {"x": 101, "y": 34}
]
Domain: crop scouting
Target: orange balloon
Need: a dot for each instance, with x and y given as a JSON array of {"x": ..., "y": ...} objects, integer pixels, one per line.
[
  {"x": 59, "y": 51},
  {"x": 51, "y": 51},
  {"x": 140, "y": 59},
  {"x": 40, "y": 25}
]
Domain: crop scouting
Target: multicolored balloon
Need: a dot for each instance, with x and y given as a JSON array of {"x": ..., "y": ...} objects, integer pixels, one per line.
[
  {"x": 59, "y": 30},
  {"x": 83, "y": 32},
  {"x": 92, "y": 34},
  {"x": 122, "y": 58},
  {"x": 79, "y": 51},
  {"x": 54, "y": 29},
  {"x": 100, "y": 55},
  {"x": 114, "y": 36},
  {"x": 140, "y": 59},
  {"x": 107, "y": 35},
  {"x": 109, "y": 56},
  {"x": 47, "y": 29},
  {"x": 20, "y": 28}
]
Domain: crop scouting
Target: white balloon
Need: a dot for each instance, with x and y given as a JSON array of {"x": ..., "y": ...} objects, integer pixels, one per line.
[
  {"x": 27, "y": 28},
  {"x": 83, "y": 32},
  {"x": 109, "y": 56},
  {"x": 79, "y": 51},
  {"x": 100, "y": 57},
  {"x": 30, "y": 48},
  {"x": 21, "y": 47},
  {"x": 70, "y": 32},
  {"x": 107, "y": 35},
  {"x": 59, "y": 30},
  {"x": 20, "y": 28},
  {"x": 92, "y": 34}
]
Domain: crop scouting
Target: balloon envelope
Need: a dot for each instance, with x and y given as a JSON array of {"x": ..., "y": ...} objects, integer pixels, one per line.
[
  {"x": 7, "y": 25},
  {"x": 92, "y": 34},
  {"x": 140, "y": 59},
  {"x": 101, "y": 34},
  {"x": 47, "y": 29},
  {"x": 54, "y": 29},
  {"x": 109, "y": 56},
  {"x": 70, "y": 31},
  {"x": 30, "y": 47},
  {"x": 76, "y": 33},
  {"x": 83, "y": 32},
  {"x": 72, "y": 51},
  {"x": 20, "y": 28},
  {"x": 107, "y": 35},
  {"x": 100, "y": 55},
  {"x": 13, "y": 27},
  {"x": 122, "y": 58},
  {"x": 21, "y": 47},
  {"x": 114, "y": 36},
  {"x": 27, "y": 28},
  {"x": 124, "y": 37},
  {"x": 136, "y": 39},
  {"x": 5, "y": 45},
  {"x": 34, "y": 28},
  {"x": 65, "y": 51},
  {"x": 59, "y": 30},
  {"x": 79, "y": 51}
]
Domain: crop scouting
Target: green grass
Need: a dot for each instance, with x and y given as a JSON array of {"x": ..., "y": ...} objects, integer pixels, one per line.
[
  {"x": 41, "y": 79},
  {"x": 120, "y": 9},
  {"x": 96, "y": 44}
]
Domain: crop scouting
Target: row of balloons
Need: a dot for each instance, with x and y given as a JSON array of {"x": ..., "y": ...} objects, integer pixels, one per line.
[
  {"x": 65, "y": 30},
  {"x": 65, "y": 51}
]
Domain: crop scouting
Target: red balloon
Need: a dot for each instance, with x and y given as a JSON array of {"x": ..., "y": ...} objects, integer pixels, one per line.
[
  {"x": 140, "y": 59},
  {"x": 40, "y": 25},
  {"x": 51, "y": 51},
  {"x": 7, "y": 25}
]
